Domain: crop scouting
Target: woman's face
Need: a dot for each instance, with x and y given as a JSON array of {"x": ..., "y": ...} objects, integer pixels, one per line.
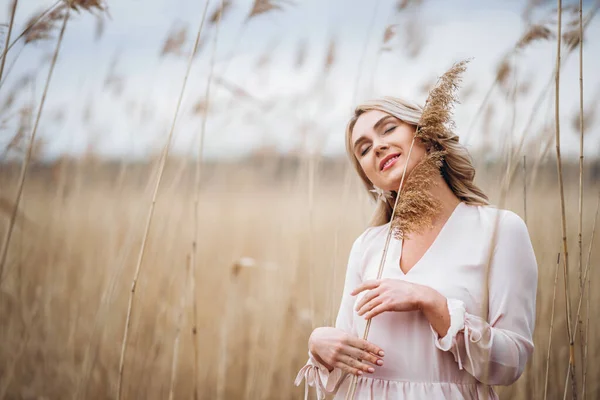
[{"x": 380, "y": 144}]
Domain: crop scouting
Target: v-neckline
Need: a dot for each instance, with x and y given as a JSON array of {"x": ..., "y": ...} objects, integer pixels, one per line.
[{"x": 400, "y": 243}]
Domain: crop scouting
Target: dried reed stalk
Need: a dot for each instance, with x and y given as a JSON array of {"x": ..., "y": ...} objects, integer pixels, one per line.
[
  {"x": 435, "y": 121},
  {"x": 525, "y": 189},
  {"x": 562, "y": 205},
  {"x": 581, "y": 127},
  {"x": 13, "y": 11},
  {"x": 587, "y": 269},
  {"x": 177, "y": 336},
  {"x": 551, "y": 326},
  {"x": 197, "y": 201},
  {"x": 364, "y": 51},
  {"x": 162, "y": 162},
  {"x": 30, "y": 148}
]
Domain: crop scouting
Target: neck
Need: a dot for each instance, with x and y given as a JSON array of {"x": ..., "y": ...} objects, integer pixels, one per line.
[{"x": 441, "y": 191}]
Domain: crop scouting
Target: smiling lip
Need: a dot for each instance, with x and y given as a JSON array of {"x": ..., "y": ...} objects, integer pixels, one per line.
[{"x": 382, "y": 165}]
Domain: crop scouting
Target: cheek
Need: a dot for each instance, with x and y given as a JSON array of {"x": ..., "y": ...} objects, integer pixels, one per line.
[{"x": 367, "y": 167}]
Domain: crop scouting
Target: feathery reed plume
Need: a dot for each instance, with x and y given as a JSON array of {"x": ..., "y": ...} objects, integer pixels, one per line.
[
  {"x": 113, "y": 81},
  {"x": 417, "y": 207},
  {"x": 300, "y": 54},
  {"x": 42, "y": 27},
  {"x": 263, "y": 6},
  {"x": 87, "y": 5},
  {"x": 402, "y": 5},
  {"x": 587, "y": 120},
  {"x": 30, "y": 149},
  {"x": 551, "y": 326},
  {"x": 389, "y": 33},
  {"x": 572, "y": 38},
  {"x": 562, "y": 205},
  {"x": 503, "y": 71},
  {"x": 99, "y": 28},
  {"x": 31, "y": 24},
  {"x": 535, "y": 33},
  {"x": 174, "y": 41},
  {"x": 18, "y": 140},
  {"x": 220, "y": 12},
  {"x": 414, "y": 36},
  {"x": 330, "y": 57},
  {"x": 13, "y": 11},
  {"x": 161, "y": 169},
  {"x": 435, "y": 122},
  {"x": 264, "y": 59}
]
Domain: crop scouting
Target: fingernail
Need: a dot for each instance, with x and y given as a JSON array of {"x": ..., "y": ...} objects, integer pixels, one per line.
[
  {"x": 381, "y": 353},
  {"x": 360, "y": 372},
  {"x": 379, "y": 362},
  {"x": 371, "y": 369}
]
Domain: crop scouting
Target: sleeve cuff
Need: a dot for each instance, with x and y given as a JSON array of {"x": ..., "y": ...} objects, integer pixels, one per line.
[
  {"x": 457, "y": 312},
  {"x": 317, "y": 375}
]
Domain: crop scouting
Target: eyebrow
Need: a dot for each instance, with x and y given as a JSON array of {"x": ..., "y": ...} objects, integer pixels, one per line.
[{"x": 375, "y": 127}]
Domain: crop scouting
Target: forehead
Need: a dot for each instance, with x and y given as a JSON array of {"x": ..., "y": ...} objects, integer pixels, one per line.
[{"x": 364, "y": 123}]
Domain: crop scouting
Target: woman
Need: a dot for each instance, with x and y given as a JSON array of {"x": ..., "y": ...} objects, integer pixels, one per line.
[{"x": 454, "y": 310}]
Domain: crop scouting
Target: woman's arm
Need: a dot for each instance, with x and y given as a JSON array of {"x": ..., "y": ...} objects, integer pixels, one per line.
[
  {"x": 327, "y": 378},
  {"x": 495, "y": 353}
]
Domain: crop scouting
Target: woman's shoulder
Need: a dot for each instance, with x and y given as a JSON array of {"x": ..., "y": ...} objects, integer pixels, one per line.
[
  {"x": 509, "y": 222},
  {"x": 370, "y": 234}
]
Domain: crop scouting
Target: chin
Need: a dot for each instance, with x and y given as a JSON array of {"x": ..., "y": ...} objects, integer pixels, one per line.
[{"x": 393, "y": 180}]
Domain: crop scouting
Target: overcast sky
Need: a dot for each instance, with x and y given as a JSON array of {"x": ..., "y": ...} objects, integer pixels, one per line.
[{"x": 293, "y": 107}]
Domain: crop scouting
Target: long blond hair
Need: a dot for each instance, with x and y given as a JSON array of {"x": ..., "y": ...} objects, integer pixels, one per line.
[{"x": 457, "y": 169}]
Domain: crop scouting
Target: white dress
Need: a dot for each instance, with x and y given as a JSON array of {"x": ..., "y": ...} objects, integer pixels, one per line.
[{"x": 479, "y": 350}]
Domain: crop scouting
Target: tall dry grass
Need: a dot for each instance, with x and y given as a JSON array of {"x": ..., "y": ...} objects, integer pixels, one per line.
[
  {"x": 253, "y": 296},
  {"x": 228, "y": 316}
]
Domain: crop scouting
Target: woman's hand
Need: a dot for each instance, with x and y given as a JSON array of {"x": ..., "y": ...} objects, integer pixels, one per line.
[
  {"x": 399, "y": 295},
  {"x": 387, "y": 295},
  {"x": 339, "y": 349}
]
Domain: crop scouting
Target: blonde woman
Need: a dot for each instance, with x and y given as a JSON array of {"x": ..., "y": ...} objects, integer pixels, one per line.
[{"x": 447, "y": 324}]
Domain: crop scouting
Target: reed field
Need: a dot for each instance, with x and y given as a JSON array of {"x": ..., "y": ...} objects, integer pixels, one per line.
[
  {"x": 172, "y": 276},
  {"x": 272, "y": 248}
]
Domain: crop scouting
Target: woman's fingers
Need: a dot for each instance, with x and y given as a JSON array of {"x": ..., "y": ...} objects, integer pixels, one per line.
[
  {"x": 365, "y": 346},
  {"x": 355, "y": 364},
  {"x": 376, "y": 311},
  {"x": 372, "y": 284},
  {"x": 370, "y": 295},
  {"x": 365, "y": 356},
  {"x": 370, "y": 305}
]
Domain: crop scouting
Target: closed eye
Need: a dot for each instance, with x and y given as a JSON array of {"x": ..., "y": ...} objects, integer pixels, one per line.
[
  {"x": 391, "y": 129},
  {"x": 365, "y": 150}
]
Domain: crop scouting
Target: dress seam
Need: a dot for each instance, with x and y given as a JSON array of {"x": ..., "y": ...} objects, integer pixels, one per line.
[{"x": 422, "y": 382}]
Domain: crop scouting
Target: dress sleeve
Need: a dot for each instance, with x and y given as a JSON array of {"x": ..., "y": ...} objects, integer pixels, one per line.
[
  {"x": 495, "y": 353},
  {"x": 315, "y": 373}
]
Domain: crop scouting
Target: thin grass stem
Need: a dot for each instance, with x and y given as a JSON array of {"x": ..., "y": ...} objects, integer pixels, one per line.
[
  {"x": 29, "y": 153},
  {"x": 141, "y": 254}
]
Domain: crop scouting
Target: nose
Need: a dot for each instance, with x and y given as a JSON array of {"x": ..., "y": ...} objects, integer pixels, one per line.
[{"x": 380, "y": 146}]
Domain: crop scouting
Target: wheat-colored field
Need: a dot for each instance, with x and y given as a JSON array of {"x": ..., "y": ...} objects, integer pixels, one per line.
[{"x": 271, "y": 257}]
